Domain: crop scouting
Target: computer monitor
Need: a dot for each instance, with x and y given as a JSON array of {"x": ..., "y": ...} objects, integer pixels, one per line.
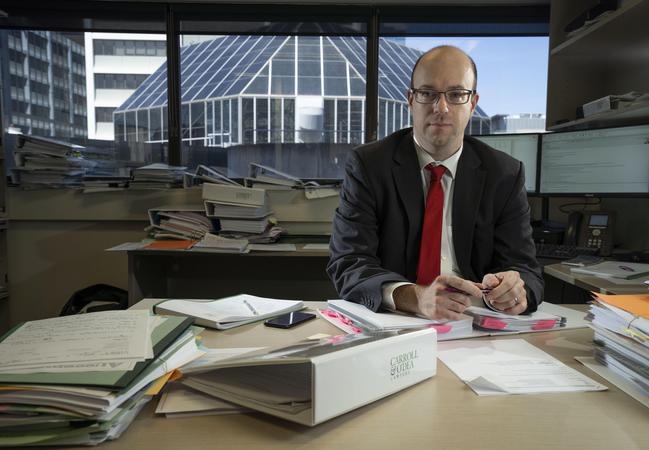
[
  {"x": 523, "y": 147},
  {"x": 605, "y": 162}
]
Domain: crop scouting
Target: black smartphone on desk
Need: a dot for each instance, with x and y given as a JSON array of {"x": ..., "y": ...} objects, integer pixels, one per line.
[{"x": 289, "y": 320}]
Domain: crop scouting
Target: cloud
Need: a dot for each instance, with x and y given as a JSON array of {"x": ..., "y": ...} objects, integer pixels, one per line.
[{"x": 470, "y": 45}]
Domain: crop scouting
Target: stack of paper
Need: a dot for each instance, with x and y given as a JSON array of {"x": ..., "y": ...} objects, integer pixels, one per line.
[
  {"x": 621, "y": 337},
  {"x": 243, "y": 212},
  {"x": 511, "y": 366},
  {"x": 368, "y": 320},
  {"x": 46, "y": 162},
  {"x": 179, "y": 222},
  {"x": 228, "y": 312},
  {"x": 494, "y": 320},
  {"x": 81, "y": 380},
  {"x": 614, "y": 269},
  {"x": 213, "y": 242},
  {"x": 269, "y": 178},
  {"x": 157, "y": 176},
  {"x": 178, "y": 400}
]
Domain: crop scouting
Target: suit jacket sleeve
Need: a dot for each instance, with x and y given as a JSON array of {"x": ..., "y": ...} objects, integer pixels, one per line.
[
  {"x": 354, "y": 265},
  {"x": 513, "y": 244}
]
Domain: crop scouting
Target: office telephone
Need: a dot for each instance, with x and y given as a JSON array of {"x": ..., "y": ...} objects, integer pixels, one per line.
[{"x": 591, "y": 229}]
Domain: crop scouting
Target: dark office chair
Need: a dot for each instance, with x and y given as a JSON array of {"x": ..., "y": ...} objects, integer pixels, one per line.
[{"x": 98, "y": 297}]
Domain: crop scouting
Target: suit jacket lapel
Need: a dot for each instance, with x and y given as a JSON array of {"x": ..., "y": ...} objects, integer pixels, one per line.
[
  {"x": 469, "y": 182},
  {"x": 407, "y": 180}
]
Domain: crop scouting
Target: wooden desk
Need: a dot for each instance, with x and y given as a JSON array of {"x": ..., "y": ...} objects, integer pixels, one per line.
[
  {"x": 439, "y": 413},
  {"x": 601, "y": 285},
  {"x": 202, "y": 274}
]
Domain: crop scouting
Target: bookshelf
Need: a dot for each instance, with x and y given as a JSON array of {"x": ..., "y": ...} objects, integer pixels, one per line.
[{"x": 606, "y": 58}]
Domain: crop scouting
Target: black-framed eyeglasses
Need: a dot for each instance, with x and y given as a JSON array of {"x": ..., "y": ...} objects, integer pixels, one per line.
[{"x": 453, "y": 96}]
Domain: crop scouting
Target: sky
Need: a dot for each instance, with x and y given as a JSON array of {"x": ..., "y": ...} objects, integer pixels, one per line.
[{"x": 512, "y": 71}]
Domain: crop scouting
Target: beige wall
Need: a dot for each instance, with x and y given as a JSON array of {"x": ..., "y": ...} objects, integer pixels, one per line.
[{"x": 56, "y": 244}]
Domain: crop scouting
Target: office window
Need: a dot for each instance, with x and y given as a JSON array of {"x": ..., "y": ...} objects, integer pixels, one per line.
[
  {"x": 51, "y": 95},
  {"x": 512, "y": 81},
  {"x": 508, "y": 45},
  {"x": 104, "y": 114},
  {"x": 271, "y": 95}
]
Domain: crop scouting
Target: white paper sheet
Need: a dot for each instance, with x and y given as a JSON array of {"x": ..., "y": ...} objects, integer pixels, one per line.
[
  {"x": 84, "y": 338},
  {"x": 512, "y": 366},
  {"x": 213, "y": 355}
]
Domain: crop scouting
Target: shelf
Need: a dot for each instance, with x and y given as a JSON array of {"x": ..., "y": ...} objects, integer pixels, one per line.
[
  {"x": 627, "y": 116},
  {"x": 629, "y": 23}
]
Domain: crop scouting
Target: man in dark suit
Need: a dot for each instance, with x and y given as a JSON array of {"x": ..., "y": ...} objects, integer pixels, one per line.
[{"x": 429, "y": 218}]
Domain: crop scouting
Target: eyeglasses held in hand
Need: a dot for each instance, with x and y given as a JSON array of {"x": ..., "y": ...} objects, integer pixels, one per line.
[{"x": 453, "y": 96}]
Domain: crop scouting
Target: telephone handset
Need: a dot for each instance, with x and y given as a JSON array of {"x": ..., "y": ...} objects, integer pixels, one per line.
[{"x": 591, "y": 229}]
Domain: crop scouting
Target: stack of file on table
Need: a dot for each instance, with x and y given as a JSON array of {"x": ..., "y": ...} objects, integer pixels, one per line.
[
  {"x": 157, "y": 176},
  {"x": 621, "y": 336},
  {"x": 179, "y": 222},
  {"x": 207, "y": 174},
  {"x": 81, "y": 380},
  {"x": 243, "y": 213},
  {"x": 356, "y": 318},
  {"x": 490, "y": 319},
  {"x": 46, "y": 162}
]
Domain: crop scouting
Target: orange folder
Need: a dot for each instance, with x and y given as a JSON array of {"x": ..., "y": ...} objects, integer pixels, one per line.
[
  {"x": 171, "y": 244},
  {"x": 636, "y": 304}
]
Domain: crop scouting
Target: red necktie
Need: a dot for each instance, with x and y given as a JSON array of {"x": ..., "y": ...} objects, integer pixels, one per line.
[{"x": 431, "y": 236}]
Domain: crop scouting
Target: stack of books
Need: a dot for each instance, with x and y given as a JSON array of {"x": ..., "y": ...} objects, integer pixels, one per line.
[
  {"x": 44, "y": 162},
  {"x": 621, "y": 336},
  {"x": 157, "y": 176},
  {"x": 81, "y": 380},
  {"x": 242, "y": 212},
  {"x": 179, "y": 222}
]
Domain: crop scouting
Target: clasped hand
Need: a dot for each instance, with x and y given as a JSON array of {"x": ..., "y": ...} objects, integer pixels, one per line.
[{"x": 507, "y": 291}]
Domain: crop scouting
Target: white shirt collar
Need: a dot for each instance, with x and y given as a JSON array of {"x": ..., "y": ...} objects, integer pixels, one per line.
[{"x": 425, "y": 158}]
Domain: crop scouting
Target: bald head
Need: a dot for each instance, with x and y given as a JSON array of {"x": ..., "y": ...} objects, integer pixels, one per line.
[{"x": 445, "y": 51}]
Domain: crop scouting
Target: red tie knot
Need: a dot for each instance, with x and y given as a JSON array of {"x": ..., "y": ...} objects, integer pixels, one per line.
[{"x": 436, "y": 172}]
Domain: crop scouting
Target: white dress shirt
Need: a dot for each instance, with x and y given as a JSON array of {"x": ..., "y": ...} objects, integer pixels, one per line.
[{"x": 448, "y": 264}]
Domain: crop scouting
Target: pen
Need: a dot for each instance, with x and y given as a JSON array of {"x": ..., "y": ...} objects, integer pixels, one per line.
[
  {"x": 250, "y": 307},
  {"x": 627, "y": 268},
  {"x": 452, "y": 289}
]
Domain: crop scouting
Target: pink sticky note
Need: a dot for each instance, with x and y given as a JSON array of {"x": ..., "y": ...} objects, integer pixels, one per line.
[
  {"x": 494, "y": 324},
  {"x": 544, "y": 324},
  {"x": 441, "y": 329}
]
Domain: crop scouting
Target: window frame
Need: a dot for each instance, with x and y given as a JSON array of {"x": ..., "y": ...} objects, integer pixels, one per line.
[{"x": 170, "y": 18}]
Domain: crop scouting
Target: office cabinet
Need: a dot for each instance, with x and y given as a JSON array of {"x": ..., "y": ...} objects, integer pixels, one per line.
[{"x": 609, "y": 57}]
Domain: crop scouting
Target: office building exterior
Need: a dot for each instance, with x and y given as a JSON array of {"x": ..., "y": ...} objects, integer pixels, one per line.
[
  {"x": 44, "y": 83},
  {"x": 518, "y": 123},
  {"x": 241, "y": 90},
  {"x": 116, "y": 64}
]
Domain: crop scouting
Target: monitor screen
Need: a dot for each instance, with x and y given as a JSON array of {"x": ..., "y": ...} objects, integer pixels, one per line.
[
  {"x": 611, "y": 161},
  {"x": 523, "y": 147}
]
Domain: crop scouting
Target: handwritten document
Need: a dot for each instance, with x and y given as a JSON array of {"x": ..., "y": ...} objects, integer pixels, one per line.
[
  {"x": 74, "y": 343},
  {"x": 511, "y": 366}
]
